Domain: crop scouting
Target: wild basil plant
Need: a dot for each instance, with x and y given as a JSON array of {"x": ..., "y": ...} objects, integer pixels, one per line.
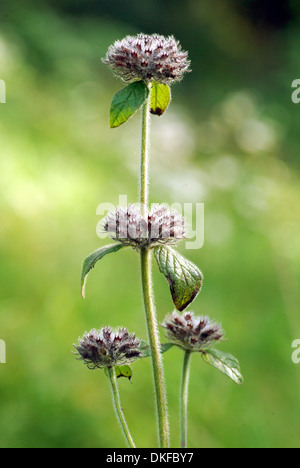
[{"x": 149, "y": 65}]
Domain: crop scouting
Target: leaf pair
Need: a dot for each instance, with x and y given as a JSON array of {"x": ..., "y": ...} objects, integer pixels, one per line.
[
  {"x": 184, "y": 278},
  {"x": 121, "y": 371},
  {"x": 224, "y": 362},
  {"x": 127, "y": 101}
]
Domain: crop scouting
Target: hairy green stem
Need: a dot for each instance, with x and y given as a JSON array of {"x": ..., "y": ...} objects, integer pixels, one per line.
[
  {"x": 161, "y": 403},
  {"x": 184, "y": 398},
  {"x": 146, "y": 271},
  {"x": 117, "y": 406},
  {"x": 144, "y": 181}
]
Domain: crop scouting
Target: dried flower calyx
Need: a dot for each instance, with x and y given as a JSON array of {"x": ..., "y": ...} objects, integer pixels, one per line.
[
  {"x": 159, "y": 226},
  {"x": 192, "y": 333},
  {"x": 148, "y": 58},
  {"x": 108, "y": 348}
]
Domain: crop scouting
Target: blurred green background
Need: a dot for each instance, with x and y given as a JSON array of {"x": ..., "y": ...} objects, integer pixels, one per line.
[{"x": 230, "y": 139}]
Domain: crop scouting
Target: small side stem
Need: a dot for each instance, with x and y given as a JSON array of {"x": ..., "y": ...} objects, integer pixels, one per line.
[
  {"x": 184, "y": 398},
  {"x": 118, "y": 408}
]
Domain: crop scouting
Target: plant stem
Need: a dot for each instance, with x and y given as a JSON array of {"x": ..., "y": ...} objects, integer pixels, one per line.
[
  {"x": 184, "y": 398},
  {"x": 144, "y": 191},
  {"x": 161, "y": 403},
  {"x": 117, "y": 406},
  {"x": 146, "y": 271}
]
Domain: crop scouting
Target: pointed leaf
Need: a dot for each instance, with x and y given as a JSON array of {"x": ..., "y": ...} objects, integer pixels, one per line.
[
  {"x": 92, "y": 259},
  {"x": 145, "y": 347},
  {"x": 160, "y": 98},
  {"x": 225, "y": 363},
  {"x": 184, "y": 278},
  {"x": 126, "y": 102}
]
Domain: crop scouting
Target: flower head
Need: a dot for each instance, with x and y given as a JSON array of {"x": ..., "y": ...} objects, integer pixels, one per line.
[
  {"x": 148, "y": 58},
  {"x": 159, "y": 226},
  {"x": 192, "y": 333},
  {"x": 108, "y": 348}
]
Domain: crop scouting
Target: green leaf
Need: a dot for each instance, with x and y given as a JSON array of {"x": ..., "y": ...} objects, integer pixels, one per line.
[
  {"x": 160, "y": 98},
  {"x": 145, "y": 347},
  {"x": 185, "y": 279},
  {"x": 92, "y": 259},
  {"x": 225, "y": 363},
  {"x": 121, "y": 371},
  {"x": 126, "y": 102}
]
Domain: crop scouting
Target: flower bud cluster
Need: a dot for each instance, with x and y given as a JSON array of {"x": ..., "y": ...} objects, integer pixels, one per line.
[
  {"x": 192, "y": 333},
  {"x": 148, "y": 58},
  {"x": 159, "y": 226},
  {"x": 108, "y": 348}
]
